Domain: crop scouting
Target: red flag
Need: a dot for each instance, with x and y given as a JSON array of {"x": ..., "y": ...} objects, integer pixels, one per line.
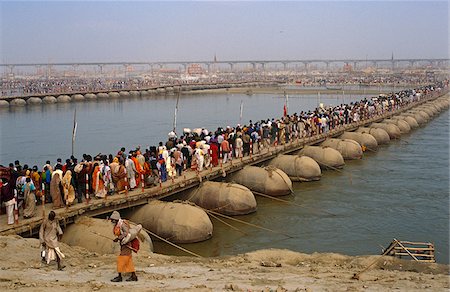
[{"x": 284, "y": 110}]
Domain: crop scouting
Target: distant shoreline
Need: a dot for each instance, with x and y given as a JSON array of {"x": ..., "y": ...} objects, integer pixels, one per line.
[{"x": 234, "y": 88}]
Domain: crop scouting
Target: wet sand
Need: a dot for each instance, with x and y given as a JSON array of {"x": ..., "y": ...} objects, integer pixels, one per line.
[{"x": 263, "y": 270}]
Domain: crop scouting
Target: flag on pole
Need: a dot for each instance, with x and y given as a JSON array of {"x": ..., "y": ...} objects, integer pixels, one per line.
[{"x": 284, "y": 110}]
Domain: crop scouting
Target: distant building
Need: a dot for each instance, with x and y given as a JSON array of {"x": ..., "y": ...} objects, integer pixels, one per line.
[
  {"x": 195, "y": 69},
  {"x": 347, "y": 68},
  {"x": 168, "y": 71}
]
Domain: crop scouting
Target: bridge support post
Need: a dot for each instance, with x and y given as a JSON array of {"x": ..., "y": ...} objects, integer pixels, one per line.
[
  {"x": 306, "y": 66},
  {"x": 38, "y": 69},
  {"x": 263, "y": 66},
  {"x": 11, "y": 69},
  {"x": 125, "y": 66}
]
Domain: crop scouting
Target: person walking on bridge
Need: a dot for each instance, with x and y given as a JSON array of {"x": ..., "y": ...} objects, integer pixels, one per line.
[{"x": 7, "y": 197}]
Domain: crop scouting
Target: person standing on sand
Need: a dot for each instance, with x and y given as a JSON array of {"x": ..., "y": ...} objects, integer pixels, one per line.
[
  {"x": 49, "y": 234},
  {"x": 124, "y": 260}
]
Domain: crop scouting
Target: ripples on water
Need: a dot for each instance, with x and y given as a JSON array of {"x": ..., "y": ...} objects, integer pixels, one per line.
[
  {"x": 402, "y": 191},
  {"x": 34, "y": 134}
]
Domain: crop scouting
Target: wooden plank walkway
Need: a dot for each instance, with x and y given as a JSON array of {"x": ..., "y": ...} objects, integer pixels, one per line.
[{"x": 29, "y": 227}]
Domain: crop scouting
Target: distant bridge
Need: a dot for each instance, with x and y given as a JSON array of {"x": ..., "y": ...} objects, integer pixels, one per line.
[{"x": 441, "y": 62}]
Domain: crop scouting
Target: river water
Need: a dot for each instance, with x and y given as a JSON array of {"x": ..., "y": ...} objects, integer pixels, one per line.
[
  {"x": 402, "y": 191},
  {"x": 34, "y": 134}
]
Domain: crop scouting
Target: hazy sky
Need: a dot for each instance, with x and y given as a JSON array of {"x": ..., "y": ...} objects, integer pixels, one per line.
[{"x": 175, "y": 31}]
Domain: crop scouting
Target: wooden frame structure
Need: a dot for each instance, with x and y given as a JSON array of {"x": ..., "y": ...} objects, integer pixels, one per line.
[{"x": 419, "y": 251}]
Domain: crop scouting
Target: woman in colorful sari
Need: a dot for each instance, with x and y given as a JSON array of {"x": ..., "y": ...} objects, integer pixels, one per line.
[
  {"x": 30, "y": 199},
  {"x": 69, "y": 191},
  {"x": 119, "y": 174},
  {"x": 139, "y": 170},
  {"x": 162, "y": 168},
  {"x": 107, "y": 178},
  {"x": 114, "y": 166},
  {"x": 214, "y": 154},
  {"x": 147, "y": 170},
  {"x": 37, "y": 181},
  {"x": 55, "y": 191},
  {"x": 98, "y": 185}
]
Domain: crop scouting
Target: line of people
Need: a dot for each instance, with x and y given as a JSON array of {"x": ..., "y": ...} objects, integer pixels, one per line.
[{"x": 64, "y": 184}]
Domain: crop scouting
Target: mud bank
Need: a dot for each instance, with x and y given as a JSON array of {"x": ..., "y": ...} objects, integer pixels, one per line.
[{"x": 263, "y": 270}]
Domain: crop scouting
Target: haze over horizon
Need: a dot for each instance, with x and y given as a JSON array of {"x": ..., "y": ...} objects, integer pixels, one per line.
[{"x": 150, "y": 31}]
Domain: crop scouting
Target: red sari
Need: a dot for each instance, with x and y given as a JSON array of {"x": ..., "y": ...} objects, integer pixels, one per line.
[{"x": 214, "y": 154}]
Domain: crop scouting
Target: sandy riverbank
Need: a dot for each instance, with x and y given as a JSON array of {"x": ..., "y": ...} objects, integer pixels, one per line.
[{"x": 263, "y": 270}]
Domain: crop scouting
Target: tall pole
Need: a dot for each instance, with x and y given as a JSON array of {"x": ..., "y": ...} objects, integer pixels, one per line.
[
  {"x": 74, "y": 130},
  {"x": 286, "y": 101},
  {"x": 241, "y": 110},
  {"x": 175, "y": 114}
]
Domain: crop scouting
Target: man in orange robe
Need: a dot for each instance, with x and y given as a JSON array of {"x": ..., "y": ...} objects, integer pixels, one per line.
[{"x": 124, "y": 260}]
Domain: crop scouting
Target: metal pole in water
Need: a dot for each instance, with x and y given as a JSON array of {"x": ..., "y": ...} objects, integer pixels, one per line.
[{"x": 74, "y": 130}]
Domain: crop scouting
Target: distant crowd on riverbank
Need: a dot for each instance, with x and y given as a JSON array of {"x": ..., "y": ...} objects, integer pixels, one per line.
[
  {"x": 57, "y": 85},
  {"x": 74, "y": 180},
  {"x": 63, "y": 85}
]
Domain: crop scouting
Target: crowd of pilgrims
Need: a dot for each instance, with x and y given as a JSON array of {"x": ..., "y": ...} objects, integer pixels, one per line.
[{"x": 65, "y": 183}]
